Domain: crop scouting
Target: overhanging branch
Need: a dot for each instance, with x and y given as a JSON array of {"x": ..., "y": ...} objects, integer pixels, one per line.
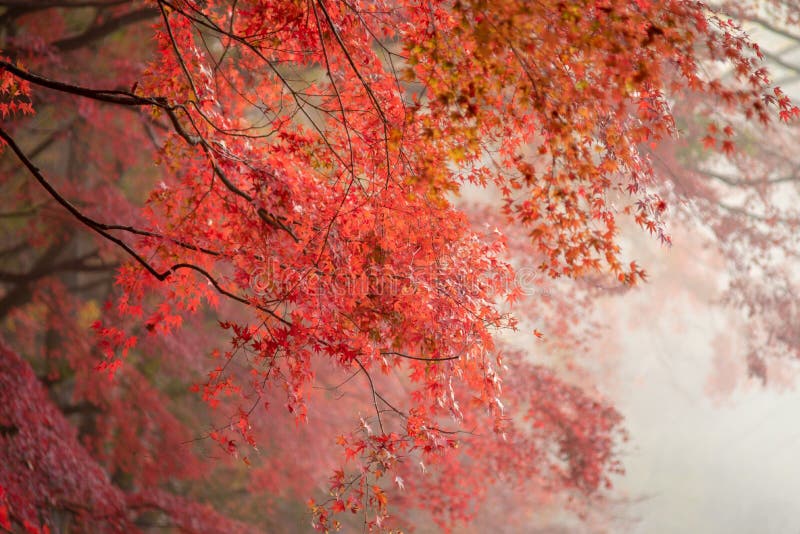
[
  {"x": 103, "y": 230},
  {"x": 129, "y": 99}
]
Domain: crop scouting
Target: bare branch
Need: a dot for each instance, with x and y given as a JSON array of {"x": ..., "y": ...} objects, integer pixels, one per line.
[
  {"x": 772, "y": 27},
  {"x": 374, "y": 394},
  {"x": 112, "y": 96},
  {"x": 48, "y": 4},
  {"x": 106, "y": 28},
  {"x": 738, "y": 182},
  {"x": 419, "y": 358}
]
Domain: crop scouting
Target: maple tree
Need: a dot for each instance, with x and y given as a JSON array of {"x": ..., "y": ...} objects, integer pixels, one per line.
[
  {"x": 743, "y": 199},
  {"x": 251, "y": 207}
]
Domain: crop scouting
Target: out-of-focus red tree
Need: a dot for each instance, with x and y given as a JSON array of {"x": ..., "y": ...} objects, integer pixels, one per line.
[
  {"x": 743, "y": 197},
  {"x": 282, "y": 174}
]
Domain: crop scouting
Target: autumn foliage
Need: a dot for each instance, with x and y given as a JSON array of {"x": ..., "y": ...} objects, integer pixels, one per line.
[{"x": 232, "y": 229}]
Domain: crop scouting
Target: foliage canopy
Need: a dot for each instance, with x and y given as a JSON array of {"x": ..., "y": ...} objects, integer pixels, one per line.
[{"x": 288, "y": 171}]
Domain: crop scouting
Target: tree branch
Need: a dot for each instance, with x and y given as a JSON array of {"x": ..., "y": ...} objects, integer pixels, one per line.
[
  {"x": 127, "y": 98},
  {"x": 48, "y": 4},
  {"x": 112, "y": 96},
  {"x": 22, "y": 292},
  {"x": 106, "y": 28},
  {"x": 738, "y": 182},
  {"x": 374, "y": 394},
  {"x": 73, "y": 265},
  {"x": 771, "y": 27},
  {"x": 419, "y": 358},
  {"x": 776, "y": 59},
  {"x": 102, "y": 229}
]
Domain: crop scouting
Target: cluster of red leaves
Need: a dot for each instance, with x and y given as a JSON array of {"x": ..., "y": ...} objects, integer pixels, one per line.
[
  {"x": 14, "y": 96},
  {"x": 37, "y": 441},
  {"x": 46, "y": 467}
]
